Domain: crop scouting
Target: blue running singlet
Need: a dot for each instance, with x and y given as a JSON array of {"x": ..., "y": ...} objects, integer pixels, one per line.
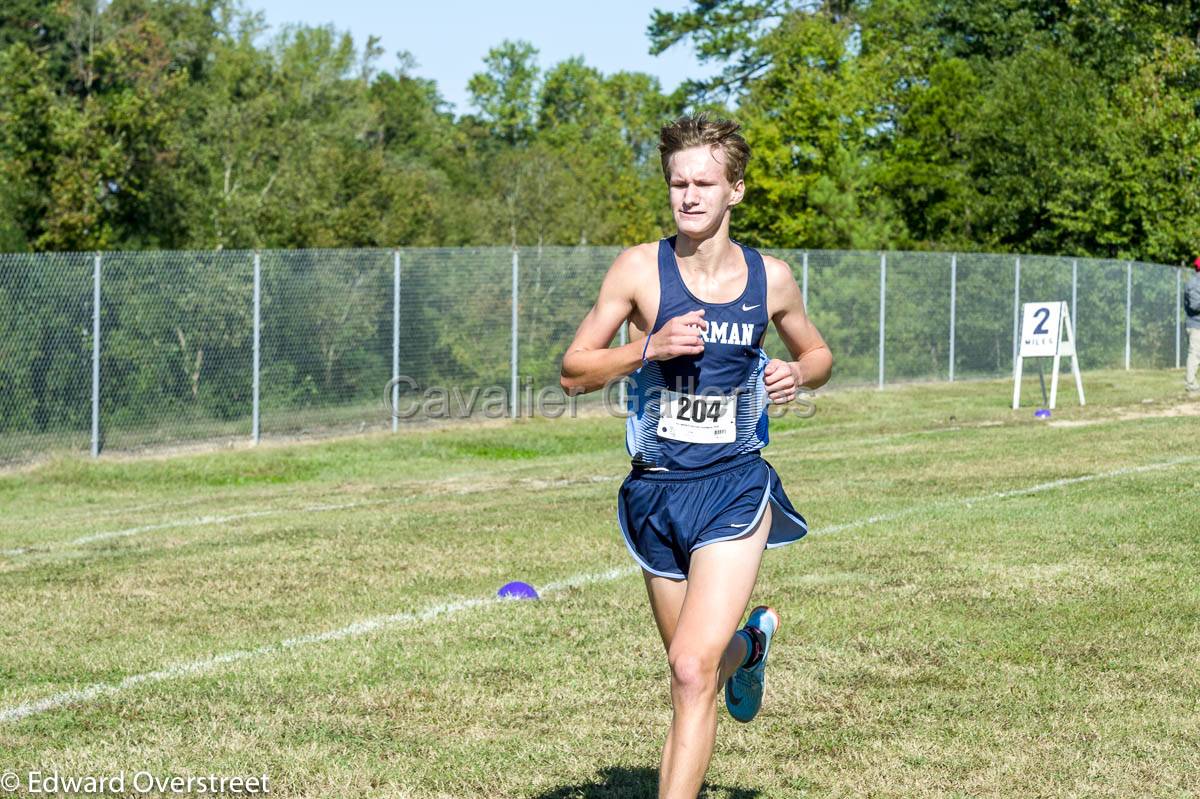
[
  {"x": 695, "y": 429},
  {"x": 694, "y": 411}
]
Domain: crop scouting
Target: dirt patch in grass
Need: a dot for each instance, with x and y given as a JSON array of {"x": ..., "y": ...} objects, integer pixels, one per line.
[{"x": 1145, "y": 411}]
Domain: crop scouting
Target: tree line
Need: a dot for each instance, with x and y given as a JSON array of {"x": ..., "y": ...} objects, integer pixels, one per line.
[{"x": 1047, "y": 126}]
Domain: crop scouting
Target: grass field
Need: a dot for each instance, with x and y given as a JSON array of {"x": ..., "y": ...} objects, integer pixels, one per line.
[{"x": 988, "y": 605}]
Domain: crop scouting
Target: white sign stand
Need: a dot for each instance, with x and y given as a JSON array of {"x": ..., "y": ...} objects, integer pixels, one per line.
[{"x": 1046, "y": 331}]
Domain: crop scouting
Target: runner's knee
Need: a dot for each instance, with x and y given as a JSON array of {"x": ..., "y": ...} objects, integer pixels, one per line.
[{"x": 692, "y": 672}]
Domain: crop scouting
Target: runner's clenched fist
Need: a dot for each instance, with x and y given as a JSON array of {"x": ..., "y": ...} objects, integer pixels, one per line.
[{"x": 680, "y": 336}]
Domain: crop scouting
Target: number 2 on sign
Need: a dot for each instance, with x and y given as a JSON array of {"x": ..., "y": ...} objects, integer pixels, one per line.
[{"x": 1043, "y": 316}]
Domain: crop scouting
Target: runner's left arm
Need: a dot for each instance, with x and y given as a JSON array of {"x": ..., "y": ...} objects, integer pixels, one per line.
[{"x": 812, "y": 361}]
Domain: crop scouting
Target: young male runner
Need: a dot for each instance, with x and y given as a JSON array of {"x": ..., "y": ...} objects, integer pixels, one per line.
[{"x": 700, "y": 504}]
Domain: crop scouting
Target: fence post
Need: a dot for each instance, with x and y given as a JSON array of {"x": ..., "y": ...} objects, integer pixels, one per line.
[
  {"x": 1016, "y": 310},
  {"x": 96, "y": 356},
  {"x": 1178, "y": 312},
  {"x": 255, "y": 431},
  {"x": 1074, "y": 298},
  {"x": 1128, "y": 307},
  {"x": 882, "y": 310},
  {"x": 953, "y": 307},
  {"x": 395, "y": 338},
  {"x": 804, "y": 281},
  {"x": 623, "y": 341},
  {"x": 514, "y": 398}
]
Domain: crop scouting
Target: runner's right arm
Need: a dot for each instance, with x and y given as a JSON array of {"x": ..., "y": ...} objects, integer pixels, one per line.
[{"x": 589, "y": 362}]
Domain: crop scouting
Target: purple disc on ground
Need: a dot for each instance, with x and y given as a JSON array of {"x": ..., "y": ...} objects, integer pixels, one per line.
[
  {"x": 1042, "y": 413},
  {"x": 517, "y": 590}
]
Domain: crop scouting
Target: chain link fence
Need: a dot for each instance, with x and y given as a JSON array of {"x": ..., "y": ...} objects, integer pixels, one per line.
[{"x": 120, "y": 351}]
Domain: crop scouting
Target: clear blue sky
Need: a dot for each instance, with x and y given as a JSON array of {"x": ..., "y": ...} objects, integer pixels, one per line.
[{"x": 449, "y": 38}]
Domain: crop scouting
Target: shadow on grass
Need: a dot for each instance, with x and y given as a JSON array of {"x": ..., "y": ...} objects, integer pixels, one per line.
[{"x": 635, "y": 783}]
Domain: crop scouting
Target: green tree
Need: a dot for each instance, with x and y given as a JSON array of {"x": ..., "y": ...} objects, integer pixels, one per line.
[
  {"x": 927, "y": 170},
  {"x": 1150, "y": 204},
  {"x": 506, "y": 93}
]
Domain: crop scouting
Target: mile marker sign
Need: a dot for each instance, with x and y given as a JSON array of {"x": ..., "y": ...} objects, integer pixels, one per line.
[{"x": 1047, "y": 332}]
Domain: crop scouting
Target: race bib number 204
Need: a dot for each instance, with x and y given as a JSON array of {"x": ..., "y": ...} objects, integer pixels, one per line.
[{"x": 698, "y": 419}]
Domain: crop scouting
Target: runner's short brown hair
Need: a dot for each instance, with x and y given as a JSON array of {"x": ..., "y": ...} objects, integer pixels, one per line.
[{"x": 699, "y": 131}]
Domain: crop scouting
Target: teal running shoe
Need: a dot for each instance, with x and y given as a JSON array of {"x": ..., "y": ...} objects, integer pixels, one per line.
[{"x": 744, "y": 690}]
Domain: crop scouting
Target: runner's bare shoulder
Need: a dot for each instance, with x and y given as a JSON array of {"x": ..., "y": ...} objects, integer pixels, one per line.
[
  {"x": 782, "y": 290},
  {"x": 779, "y": 273},
  {"x": 634, "y": 277},
  {"x": 636, "y": 263}
]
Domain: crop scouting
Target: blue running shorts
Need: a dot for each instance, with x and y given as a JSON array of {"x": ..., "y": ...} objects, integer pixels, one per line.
[{"x": 665, "y": 516}]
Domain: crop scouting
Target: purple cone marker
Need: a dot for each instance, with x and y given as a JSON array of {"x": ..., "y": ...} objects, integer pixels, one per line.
[{"x": 517, "y": 590}]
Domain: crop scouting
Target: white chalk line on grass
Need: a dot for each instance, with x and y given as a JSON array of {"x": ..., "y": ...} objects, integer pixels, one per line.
[
  {"x": 377, "y": 623},
  {"x": 201, "y": 521},
  {"x": 829, "y": 443},
  {"x": 1014, "y": 492},
  {"x": 828, "y": 446},
  {"x": 101, "y": 513},
  {"x": 198, "y": 521},
  {"x": 355, "y": 630}
]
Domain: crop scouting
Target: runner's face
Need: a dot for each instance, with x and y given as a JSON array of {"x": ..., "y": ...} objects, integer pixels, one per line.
[{"x": 700, "y": 192}]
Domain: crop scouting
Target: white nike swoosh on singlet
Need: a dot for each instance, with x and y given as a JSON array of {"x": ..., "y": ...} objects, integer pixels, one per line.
[{"x": 746, "y": 307}]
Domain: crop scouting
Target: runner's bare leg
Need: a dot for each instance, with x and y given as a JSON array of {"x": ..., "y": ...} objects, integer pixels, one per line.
[{"x": 697, "y": 619}]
